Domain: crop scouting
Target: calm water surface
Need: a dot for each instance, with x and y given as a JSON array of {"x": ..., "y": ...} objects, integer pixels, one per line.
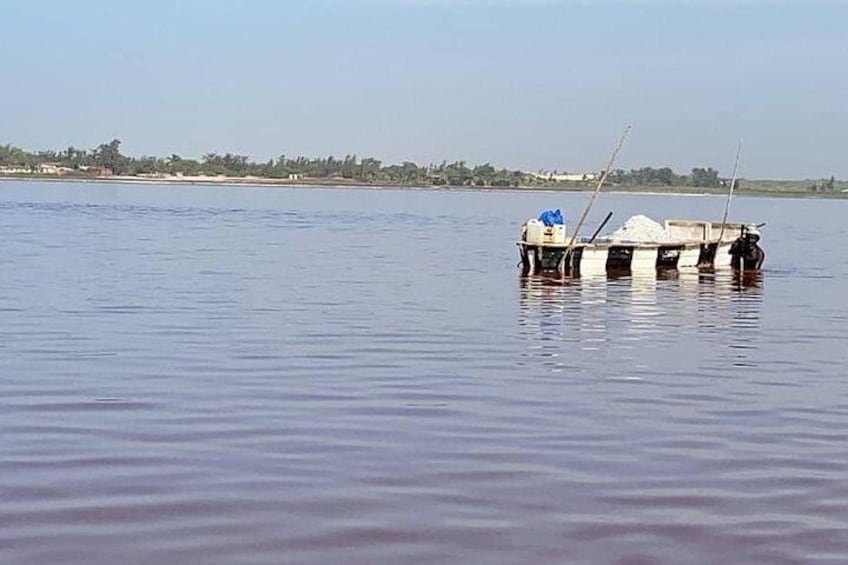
[{"x": 252, "y": 375}]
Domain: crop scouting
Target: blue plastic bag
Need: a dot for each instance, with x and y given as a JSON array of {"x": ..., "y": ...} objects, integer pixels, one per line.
[{"x": 551, "y": 218}]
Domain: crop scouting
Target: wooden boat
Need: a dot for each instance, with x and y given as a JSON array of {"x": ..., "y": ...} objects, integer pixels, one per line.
[{"x": 691, "y": 244}]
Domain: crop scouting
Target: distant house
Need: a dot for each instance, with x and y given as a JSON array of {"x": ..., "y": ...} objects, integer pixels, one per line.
[
  {"x": 52, "y": 169},
  {"x": 295, "y": 176},
  {"x": 96, "y": 170},
  {"x": 13, "y": 170},
  {"x": 564, "y": 177},
  {"x": 101, "y": 171}
]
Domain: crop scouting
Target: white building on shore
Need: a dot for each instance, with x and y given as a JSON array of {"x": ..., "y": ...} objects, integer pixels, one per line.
[{"x": 565, "y": 177}]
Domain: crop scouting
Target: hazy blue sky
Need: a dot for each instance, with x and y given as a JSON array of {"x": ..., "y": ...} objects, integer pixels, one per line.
[{"x": 523, "y": 84}]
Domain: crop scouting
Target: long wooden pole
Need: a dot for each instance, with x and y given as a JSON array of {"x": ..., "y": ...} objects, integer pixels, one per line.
[
  {"x": 730, "y": 192},
  {"x": 601, "y": 182}
]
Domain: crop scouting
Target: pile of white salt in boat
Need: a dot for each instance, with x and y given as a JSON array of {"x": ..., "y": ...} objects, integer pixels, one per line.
[{"x": 641, "y": 229}]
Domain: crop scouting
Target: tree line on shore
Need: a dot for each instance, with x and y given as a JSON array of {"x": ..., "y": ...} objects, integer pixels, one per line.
[
  {"x": 367, "y": 169},
  {"x": 108, "y": 156}
]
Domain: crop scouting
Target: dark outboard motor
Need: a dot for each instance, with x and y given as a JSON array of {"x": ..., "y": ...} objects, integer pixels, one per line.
[{"x": 746, "y": 254}]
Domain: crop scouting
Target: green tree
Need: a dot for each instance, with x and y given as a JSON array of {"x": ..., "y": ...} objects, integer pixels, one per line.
[
  {"x": 704, "y": 177},
  {"x": 109, "y": 155},
  {"x": 349, "y": 167}
]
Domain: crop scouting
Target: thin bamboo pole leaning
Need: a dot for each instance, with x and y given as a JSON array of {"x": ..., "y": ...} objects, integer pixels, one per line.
[
  {"x": 601, "y": 181},
  {"x": 730, "y": 193}
]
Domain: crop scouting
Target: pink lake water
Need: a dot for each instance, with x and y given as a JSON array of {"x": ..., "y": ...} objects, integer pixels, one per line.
[{"x": 253, "y": 375}]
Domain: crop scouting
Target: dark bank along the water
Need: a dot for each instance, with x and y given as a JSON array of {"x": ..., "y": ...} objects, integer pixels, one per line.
[{"x": 237, "y": 375}]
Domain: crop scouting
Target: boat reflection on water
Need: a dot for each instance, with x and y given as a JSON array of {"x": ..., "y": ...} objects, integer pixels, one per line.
[{"x": 630, "y": 315}]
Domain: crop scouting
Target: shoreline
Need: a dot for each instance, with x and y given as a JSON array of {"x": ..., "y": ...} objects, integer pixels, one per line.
[{"x": 258, "y": 182}]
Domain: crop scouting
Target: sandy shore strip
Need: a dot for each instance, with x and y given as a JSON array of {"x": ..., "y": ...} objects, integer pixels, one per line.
[{"x": 339, "y": 183}]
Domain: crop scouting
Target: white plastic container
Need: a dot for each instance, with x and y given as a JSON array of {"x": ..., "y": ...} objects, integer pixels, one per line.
[
  {"x": 555, "y": 234},
  {"x": 535, "y": 232}
]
